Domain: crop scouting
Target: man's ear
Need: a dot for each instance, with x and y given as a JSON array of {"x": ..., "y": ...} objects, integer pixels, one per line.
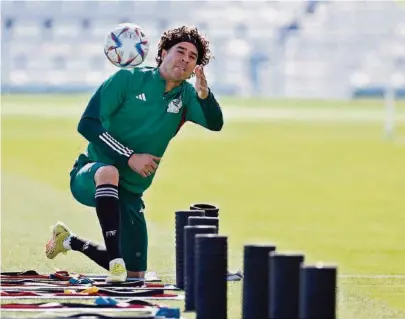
[{"x": 164, "y": 54}]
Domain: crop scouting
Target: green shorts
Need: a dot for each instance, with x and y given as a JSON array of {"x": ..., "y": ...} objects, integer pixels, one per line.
[{"x": 134, "y": 234}]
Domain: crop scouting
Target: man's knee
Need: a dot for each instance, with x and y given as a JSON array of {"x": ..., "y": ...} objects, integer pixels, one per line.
[{"x": 106, "y": 175}]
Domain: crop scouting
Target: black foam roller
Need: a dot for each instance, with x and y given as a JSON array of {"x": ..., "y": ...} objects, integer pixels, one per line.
[
  {"x": 189, "y": 261},
  {"x": 256, "y": 281},
  {"x": 318, "y": 292},
  {"x": 284, "y": 285},
  {"x": 210, "y": 210},
  {"x": 181, "y": 220},
  {"x": 210, "y": 221},
  {"x": 211, "y": 276}
]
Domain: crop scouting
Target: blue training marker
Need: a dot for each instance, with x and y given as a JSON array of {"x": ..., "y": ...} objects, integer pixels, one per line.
[
  {"x": 209, "y": 209},
  {"x": 318, "y": 292},
  {"x": 189, "y": 261},
  {"x": 181, "y": 220},
  {"x": 284, "y": 285},
  {"x": 256, "y": 281},
  {"x": 210, "y": 221},
  {"x": 211, "y": 276}
]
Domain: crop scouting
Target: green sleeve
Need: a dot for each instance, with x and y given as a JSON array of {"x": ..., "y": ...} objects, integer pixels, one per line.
[
  {"x": 105, "y": 101},
  {"x": 205, "y": 112}
]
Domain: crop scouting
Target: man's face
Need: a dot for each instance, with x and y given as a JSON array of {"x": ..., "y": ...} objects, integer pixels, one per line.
[{"x": 179, "y": 62}]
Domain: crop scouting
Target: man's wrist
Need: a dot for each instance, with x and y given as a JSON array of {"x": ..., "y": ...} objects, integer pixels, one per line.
[{"x": 208, "y": 95}]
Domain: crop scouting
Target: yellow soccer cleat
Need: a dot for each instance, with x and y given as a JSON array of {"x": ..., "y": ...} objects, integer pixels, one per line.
[
  {"x": 55, "y": 245},
  {"x": 118, "y": 271}
]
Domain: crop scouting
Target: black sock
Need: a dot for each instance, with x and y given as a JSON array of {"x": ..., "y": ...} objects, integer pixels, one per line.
[
  {"x": 108, "y": 212},
  {"x": 95, "y": 252}
]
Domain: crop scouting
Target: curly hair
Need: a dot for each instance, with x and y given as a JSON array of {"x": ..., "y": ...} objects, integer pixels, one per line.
[{"x": 185, "y": 34}]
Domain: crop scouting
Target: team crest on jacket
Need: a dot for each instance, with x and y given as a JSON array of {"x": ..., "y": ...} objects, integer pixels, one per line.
[{"x": 175, "y": 106}]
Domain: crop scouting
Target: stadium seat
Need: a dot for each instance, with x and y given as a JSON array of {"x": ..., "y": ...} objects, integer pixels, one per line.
[{"x": 299, "y": 43}]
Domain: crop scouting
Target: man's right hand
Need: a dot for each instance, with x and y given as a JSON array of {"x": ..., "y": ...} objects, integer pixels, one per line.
[{"x": 143, "y": 164}]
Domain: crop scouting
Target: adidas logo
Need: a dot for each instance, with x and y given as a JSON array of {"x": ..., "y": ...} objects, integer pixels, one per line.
[{"x": 141, "y": 97}]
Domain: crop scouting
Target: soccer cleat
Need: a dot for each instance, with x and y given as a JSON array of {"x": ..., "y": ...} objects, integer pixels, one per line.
[
  {"x": 118, "y": 272},
  {"x": 55, "y": 245}
]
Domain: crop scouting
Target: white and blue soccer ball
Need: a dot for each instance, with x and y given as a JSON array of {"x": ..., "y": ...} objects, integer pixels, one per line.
[{"x": 126, "y": 45}]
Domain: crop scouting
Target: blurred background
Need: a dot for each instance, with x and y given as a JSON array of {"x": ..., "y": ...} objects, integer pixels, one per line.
[{"x": 299, "y": 49}]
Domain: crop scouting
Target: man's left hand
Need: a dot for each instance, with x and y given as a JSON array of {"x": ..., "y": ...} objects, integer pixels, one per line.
[{"x": 201, "y": 85}]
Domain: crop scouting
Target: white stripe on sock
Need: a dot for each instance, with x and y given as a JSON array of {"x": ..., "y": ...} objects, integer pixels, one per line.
[
  {"x": 108, "y": 189},
  {"x": 106, "y": 195}
]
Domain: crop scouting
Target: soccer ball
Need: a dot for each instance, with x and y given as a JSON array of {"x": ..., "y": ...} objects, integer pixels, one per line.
[{"x": 126, "y": 45}]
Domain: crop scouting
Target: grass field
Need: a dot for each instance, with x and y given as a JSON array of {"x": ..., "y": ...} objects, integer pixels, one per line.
[{"x": 311, "y": 176}]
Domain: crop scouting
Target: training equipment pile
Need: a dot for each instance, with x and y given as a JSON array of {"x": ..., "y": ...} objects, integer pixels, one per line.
[{"x": 77, "y": 293}]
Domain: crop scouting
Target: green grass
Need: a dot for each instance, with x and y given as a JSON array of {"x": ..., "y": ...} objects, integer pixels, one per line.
[{"x": 333, "y": 191}]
